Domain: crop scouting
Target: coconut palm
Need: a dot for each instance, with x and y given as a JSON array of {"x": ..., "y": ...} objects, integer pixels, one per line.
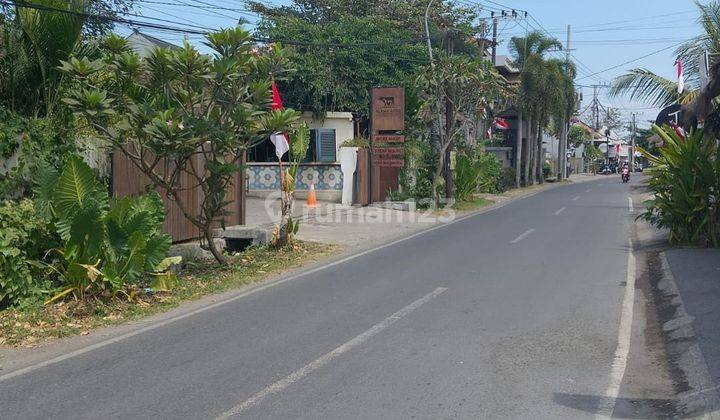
[
  {"x": 537, "y": 93},
  {"x": 32, "y": 44},
  {"x": 645, "y": 86}
]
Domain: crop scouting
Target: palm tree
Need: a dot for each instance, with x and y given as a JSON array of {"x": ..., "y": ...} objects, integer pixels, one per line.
[
  {"x": 645, "y": 86},
  {"x": 32, "y": 44},
  {"x": 535, "y": 91}
]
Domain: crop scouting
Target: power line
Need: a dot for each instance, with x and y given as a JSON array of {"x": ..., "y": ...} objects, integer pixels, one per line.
[{"x": 633, "y": 60}]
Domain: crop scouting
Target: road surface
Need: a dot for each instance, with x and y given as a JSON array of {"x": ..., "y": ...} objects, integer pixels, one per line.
[{"x": 515, "y": 313}]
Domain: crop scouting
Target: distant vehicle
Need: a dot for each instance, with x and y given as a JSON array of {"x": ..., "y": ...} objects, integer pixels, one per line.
[
  {"x": 606, "y": 170},
  {"x": 638, "y": 167},
  {"x": 625, "y": 175}
]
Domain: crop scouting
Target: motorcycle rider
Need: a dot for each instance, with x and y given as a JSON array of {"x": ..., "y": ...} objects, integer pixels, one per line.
[{"x": 625, "y": 173}]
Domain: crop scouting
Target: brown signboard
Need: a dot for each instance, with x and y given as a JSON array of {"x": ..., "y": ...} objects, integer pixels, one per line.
[
  {"x": 388, "y": 138},
  {"x": 388, "y": 109},
  {"x": 392, "y": 157}
]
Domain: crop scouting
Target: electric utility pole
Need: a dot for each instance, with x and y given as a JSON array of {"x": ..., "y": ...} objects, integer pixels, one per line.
[
  {"x": 562, "y": 152},
  {"x": 449, "y": 119},
  {"x": 494, "y": 38},
  {"x": 632, "y": 143}
]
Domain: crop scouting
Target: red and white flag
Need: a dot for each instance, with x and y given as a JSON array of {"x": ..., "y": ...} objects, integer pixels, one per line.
[
  {"x": 280, "y": 140},
  {"x": 680, "y": 75},
  {"x": 501, "y": 124}
]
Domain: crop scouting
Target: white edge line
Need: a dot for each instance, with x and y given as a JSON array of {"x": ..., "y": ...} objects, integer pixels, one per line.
[
  {"x": 253, "y": 290},
  {"x": 631, "y": 207},
  {"x": 557, "y": 213},
  {"x": 523, "y": 236},
  {"x": 605, "y": 411},
  {"x": 328, "y": 357}
]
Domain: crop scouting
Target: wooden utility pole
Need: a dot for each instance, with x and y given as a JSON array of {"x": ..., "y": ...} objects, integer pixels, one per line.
[
  {"x": 449, "y": 119},
  {"x": 632, "y": 143},
  {"x": 494, "y": 38}
]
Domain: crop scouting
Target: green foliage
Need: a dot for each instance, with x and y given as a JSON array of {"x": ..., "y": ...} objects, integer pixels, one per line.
[
  {"x": 105, "y": 243},
  {"x": 36, "y": 41},
  {"x": 338, "y": 78},
  {"x": 36, "y": 143},
  {"x": 179, "y": 104},
  {"x": 507, "y": 179},
  {"x": 578, "y": 135},
  {"x": 24, "y": 238},
  {"x": 685, "y": 182},
  {"x": 477, "y": 172},
  {"x": 546, "y": 168}
]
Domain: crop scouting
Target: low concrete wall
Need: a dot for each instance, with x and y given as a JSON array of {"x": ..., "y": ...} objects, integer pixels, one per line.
[{"x": 264, "y": 179}]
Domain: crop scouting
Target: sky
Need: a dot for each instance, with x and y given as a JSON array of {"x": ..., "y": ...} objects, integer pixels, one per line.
[{"x": 608, "y": 37}]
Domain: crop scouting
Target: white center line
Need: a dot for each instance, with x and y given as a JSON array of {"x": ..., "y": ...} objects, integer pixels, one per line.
[
  {"x": 588, "y": 190},
  {"x": 576, "y": 198},
  {"x": 557, "y": 213},
  {"x": 630, "y": 205},
  {"x": 328, "y": 357},
  {"x": 523, "y": 236},
  {"x": 619, "y": 363}
]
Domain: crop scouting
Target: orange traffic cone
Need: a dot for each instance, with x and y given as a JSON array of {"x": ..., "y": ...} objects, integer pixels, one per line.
[{"x": 312, "y": 197}]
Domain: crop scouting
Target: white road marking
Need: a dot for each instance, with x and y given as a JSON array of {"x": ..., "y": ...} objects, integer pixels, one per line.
[
  {"x": 576, "y": 198},
  {"x": 588, "y": 190},
  {"x": 619, "y": 364},
  {"x": 248, "y": 292},
  {"x": 630, "y": 205},
  {"x": 523, "y": 236},
  {"x": 557, "y": 213},
  {"x": 328, "y": 357}
]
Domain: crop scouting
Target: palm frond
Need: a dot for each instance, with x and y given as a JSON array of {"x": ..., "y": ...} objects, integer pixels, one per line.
[{"x": 645, "y": 86}]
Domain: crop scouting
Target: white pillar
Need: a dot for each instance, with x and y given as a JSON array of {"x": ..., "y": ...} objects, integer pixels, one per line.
[{"x": 348, "y": 164}]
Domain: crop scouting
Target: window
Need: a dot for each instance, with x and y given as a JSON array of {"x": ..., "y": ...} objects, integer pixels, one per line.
[{"x": 321, "y": 149}]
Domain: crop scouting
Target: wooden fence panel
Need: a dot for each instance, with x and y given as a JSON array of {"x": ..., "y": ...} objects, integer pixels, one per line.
[{"x": 129, "y": 181}]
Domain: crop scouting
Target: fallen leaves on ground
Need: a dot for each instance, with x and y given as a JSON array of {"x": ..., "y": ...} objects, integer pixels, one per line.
[{"x": 29, "y": 326}]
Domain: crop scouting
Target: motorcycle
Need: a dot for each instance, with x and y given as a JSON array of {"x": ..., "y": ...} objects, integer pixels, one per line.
[{"x": 625, "y": 175}]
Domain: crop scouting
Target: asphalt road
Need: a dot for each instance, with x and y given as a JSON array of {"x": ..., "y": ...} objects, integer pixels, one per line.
[{"x": 513, "y": 313}]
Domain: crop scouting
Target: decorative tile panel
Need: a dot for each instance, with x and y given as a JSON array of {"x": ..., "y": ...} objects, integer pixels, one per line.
[{"x": 265, "y": 177}]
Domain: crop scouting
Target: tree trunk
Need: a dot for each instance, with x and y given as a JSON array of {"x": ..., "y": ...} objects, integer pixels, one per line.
[
  {"x": 518, "y": 149},
  {"x": 528, "y": 153},
  {"x": 219, "y": 257},
  {"x": 532, "y": 149},
  {"x": 438, "y": 175},
  {"x": 561, "y": 154},
  {"x": 287, "y": 197},
  {"x": 539, "y": 156}
]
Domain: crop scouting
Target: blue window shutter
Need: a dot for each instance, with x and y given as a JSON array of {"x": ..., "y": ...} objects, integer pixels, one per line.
[{"x": 325, "y": 145}]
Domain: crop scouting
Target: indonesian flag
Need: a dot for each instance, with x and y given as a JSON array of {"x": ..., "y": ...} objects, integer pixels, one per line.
[
  {"x": 618, "y": 148},
  {"x": 277, "y": 103},
  {"x": 280, "y": 140},
  {"x": 501, "y": 124},
  {"x": 680, "y": 75}
]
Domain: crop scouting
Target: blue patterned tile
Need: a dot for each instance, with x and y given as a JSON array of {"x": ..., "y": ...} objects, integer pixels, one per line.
[{"x": 267, "y": 177}]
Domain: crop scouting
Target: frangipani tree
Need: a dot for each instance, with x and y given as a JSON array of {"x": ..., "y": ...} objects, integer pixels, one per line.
[
  {"x": 468, "y": 86},
  {"x": 179, "y": 107}
]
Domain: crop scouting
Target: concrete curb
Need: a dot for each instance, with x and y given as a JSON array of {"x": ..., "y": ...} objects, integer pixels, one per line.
[{"x": 703, "y": 396}]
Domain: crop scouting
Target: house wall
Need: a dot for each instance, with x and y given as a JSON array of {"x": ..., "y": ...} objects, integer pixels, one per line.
[
  {"x": 341, "y": 122},
  {"x": 505, "y": 154}
]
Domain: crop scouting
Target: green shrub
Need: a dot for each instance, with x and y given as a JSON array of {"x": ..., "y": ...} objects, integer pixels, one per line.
[
  {"x": 105, "y": 243},
  {"x": 24, "y": 238},
  {"x": 507, "y": 179},
  {"x": 546, "y": 169},
  {"x": 685, "y": 182},
  {"x": 477, "y": 172},
  {"x": 38, "y": 143}
]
